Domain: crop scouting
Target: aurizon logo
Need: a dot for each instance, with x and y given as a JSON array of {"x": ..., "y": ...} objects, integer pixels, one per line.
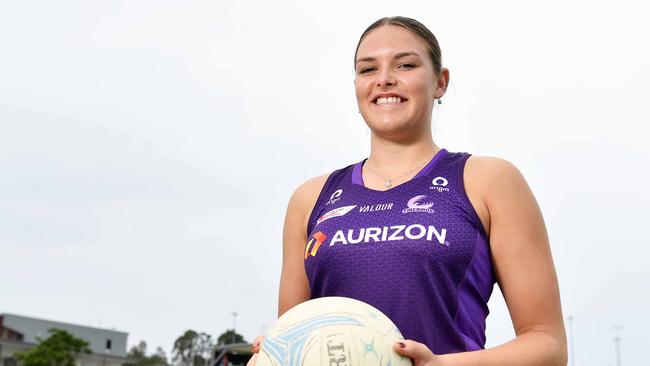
[
  {"x": 390, "y": 233},
  {"x": 314, "y": 243}
]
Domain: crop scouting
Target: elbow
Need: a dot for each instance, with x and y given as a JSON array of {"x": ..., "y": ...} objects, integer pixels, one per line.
[
  {"x": 557, "y": 346},
  {"x": 553, "y": 344},
  {"x": 562, "y": 354}
]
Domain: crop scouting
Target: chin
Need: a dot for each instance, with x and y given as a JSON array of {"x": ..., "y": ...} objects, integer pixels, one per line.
[
  {"x": 390, "y": 127},
  {"x": 406, "y": 122}
]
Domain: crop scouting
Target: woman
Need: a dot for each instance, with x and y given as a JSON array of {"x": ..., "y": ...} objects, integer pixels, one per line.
[{"x": 419, "y": 232}]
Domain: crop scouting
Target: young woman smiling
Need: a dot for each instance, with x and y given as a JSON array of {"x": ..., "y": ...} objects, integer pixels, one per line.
[{"x": 438, "y": 230}]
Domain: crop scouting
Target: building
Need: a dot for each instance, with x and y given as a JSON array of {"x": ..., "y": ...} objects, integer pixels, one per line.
[{"x": 19, "y": 333}]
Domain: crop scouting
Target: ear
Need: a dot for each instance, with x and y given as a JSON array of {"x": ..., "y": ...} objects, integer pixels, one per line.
[{"x": 442, "y": 82}]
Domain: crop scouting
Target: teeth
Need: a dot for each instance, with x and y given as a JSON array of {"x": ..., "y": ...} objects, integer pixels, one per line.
[{"x": 389, "y": 100}]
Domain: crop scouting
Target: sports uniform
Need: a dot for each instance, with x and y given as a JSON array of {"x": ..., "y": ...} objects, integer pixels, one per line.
[{"x": 417, "y": 252}]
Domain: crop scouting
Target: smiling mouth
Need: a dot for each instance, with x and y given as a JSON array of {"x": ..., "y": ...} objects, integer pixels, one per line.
[{"x": 390, "y": 101}]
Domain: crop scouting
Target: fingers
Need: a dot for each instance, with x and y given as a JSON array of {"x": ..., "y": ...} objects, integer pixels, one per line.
[
  {"x": 255, "y": 348},
  {"x": 418, "y": 352},
  {"x": 257, "y": 343}
]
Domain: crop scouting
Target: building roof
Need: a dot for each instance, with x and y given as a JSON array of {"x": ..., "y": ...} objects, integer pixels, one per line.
[
  {"x": 61, "y": 323},
  {"x": 101, "y": 341}
]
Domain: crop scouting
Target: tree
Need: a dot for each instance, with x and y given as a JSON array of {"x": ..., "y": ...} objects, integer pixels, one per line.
[
  {"x": 184, "y": 347},
  {"x": 136, "y": 353},
  {"x": 230, "y": 337},
  {"x": 59, "y": 349},
  {"x": 193, "y": 348},
  {"x": 204, "y": 347},
  {"x": 160, "y": 355},
  {"x": 138, "y": 356}
]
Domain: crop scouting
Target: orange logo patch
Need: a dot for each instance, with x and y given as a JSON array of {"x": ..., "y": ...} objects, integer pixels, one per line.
[{"x": 312, "y": 246}]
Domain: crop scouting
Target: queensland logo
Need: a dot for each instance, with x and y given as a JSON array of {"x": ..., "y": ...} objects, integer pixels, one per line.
[
  {"x": 335, "y": 197},
  {"x": 340, "y": 211},
  {"x": 377, "y": 207},
  {"x": 439, "y": 184},
  {"x": 314, "y": 243},
  {"x": 419, "y": 204},
  {"x": 390, "y": 233}
]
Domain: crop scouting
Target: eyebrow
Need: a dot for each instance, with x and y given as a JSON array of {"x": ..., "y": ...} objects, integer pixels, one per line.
[{"x": 398, "y": 55}]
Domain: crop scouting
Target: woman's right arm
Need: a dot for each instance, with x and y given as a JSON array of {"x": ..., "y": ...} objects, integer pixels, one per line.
[{"x": 294, "y": 287}]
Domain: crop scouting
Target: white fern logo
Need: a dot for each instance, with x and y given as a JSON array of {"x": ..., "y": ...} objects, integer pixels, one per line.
[{"x": 419, "y": 204}]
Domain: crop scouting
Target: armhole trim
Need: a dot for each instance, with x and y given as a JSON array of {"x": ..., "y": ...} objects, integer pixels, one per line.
[
  {"x": 328, "y": 181},
  {"x": 468, "y": 203}
]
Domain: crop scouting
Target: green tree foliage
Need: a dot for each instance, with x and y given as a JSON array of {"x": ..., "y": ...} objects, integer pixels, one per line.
[
  {"x": 59, "y": 349},
  {"x": 230, "y": 337},
  {"x": 192, "y": 348},
  {"x": 138, "y": 356}
]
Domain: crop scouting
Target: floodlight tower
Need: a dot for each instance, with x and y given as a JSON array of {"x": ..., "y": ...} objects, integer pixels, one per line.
[
  {"x": 572, "y": 351},
  {"x": 234, "y": 318},
  {"x": 617, "y": 343}
]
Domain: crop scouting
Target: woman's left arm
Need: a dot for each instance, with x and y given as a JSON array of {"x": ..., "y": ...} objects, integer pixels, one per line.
[{"x": 525, "y": 273}]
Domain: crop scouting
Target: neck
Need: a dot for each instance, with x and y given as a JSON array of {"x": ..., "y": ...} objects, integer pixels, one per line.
[{"x": 392, "y": 158}]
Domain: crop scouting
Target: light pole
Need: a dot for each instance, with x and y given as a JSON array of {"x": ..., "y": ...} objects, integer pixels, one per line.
[
  {"x": 234, "y": 318},
  {"x": 617, "y": 343},
  {"x": 571, "y": 347}
]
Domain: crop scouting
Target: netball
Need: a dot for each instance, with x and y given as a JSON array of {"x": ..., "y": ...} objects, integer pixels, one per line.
[{"x": 332, "y": 331}]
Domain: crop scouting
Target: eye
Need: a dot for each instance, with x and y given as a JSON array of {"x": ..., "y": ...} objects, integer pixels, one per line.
[
  {"x": 363, "y": 71},
  {"x": 407, "y": 65}
]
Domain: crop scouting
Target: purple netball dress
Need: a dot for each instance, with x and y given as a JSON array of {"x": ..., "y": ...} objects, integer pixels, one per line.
[{"x": 417, "y": 252}]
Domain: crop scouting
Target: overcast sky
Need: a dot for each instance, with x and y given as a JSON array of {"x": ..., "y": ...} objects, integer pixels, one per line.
[{"x": 148, "y": 150}]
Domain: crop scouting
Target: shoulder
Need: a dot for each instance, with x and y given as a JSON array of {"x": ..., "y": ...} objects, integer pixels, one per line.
[
  {"x": 304, "y": 198},
  {"x": 307, "y": 192},
  {"x": 493, "y": 178},
  {"x": 491, "y": 170},
  {"x": 488, "y": 180}
]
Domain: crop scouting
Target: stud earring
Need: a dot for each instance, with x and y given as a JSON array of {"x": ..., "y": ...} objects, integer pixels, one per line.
[{"x": 439, "y": 101}]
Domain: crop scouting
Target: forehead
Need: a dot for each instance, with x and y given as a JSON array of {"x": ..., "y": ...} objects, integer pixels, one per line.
[{"x": 390, "y": 39}]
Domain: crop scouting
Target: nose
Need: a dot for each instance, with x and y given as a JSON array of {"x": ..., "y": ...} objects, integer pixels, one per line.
[{"x": 385, "y": 78}]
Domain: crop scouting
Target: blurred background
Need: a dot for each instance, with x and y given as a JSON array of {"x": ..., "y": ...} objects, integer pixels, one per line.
[{"x": 148, "y": 150}]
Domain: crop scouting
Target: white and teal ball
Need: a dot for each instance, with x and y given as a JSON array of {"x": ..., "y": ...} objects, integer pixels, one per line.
[{"x": 332, "y": 331}]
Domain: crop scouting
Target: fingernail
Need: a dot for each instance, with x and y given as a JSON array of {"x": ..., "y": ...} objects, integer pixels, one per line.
[{"x": 402, "y": 344}]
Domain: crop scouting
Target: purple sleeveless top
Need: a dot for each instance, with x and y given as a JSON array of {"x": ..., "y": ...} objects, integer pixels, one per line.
[{"x": 417, "y": 252}]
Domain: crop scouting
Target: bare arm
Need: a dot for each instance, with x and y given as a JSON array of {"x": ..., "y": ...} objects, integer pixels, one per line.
[
  {"x": 294, "y": 288},
  {"x": 525, "y": 273}
]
